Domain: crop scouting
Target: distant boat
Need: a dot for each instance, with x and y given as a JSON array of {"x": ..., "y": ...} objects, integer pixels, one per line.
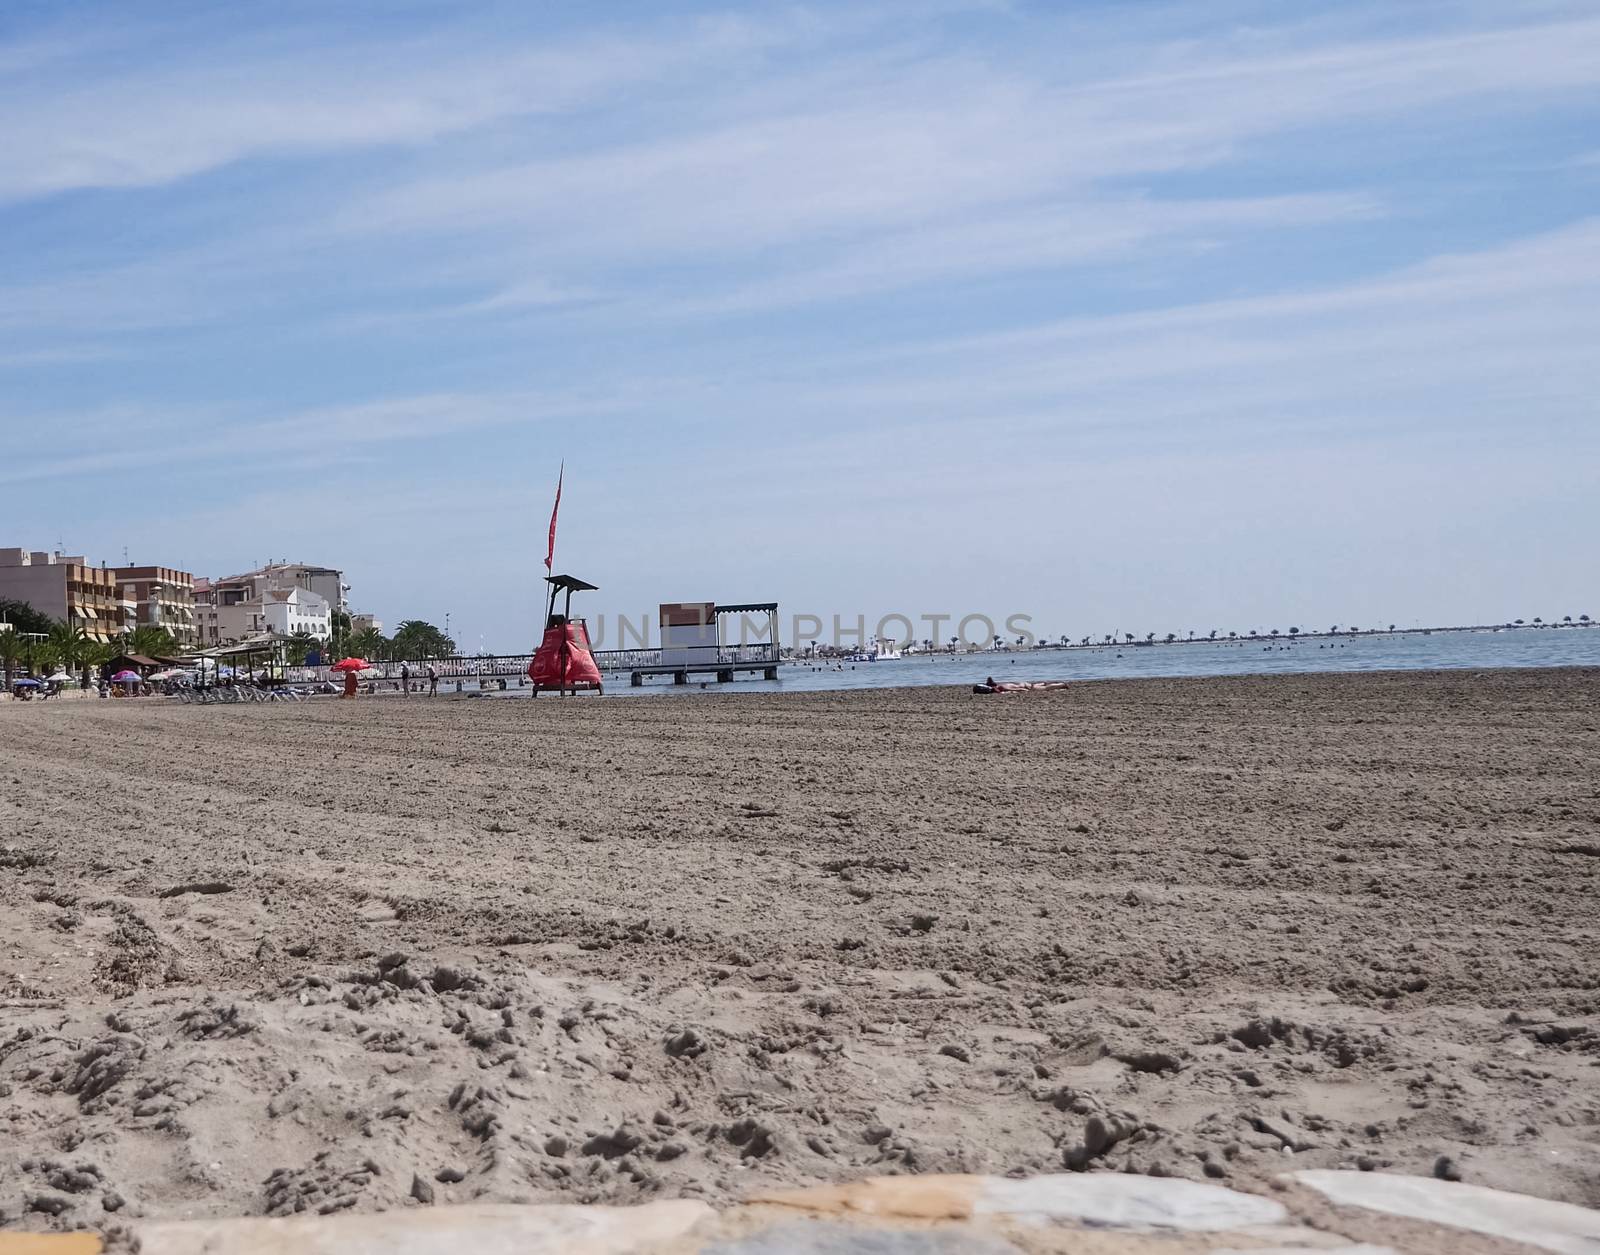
[{"x": 880, "y": 651}]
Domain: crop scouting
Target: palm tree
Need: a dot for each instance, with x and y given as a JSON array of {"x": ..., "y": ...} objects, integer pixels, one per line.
[
  {"x": 68, "y": 642},
  {"x": 43, "y": 658},
  {"x": 1583, "y": 618},
  {"x": 13, "y": 649},
  {"x": 1294, "y": 631},
  {"x": 1537, "y": 622},
  {"x": 367, "y": 643},
  {"x": 1172, "y": 636},
  {"x": 151, "y": 641},
  {"x": 1391, "y": 627},
  {"x": 1233, "y": 636},
  {"x": 1129, "y": 635},
  {"x": 1213, "y": 635},
  {"x": 299, "y": 645},
  {"x": 339, "y": 634},
  {"x": 93, "y": 656}
]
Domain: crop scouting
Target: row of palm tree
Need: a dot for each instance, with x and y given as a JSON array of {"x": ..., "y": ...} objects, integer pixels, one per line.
[
  {"x": 44, "y": 646},
  {"x": 413, "y": 640},
  {"x": 64, "y": 647}
]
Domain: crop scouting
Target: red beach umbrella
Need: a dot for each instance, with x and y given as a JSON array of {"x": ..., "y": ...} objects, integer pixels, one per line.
[{"x": 350, "y": 664}]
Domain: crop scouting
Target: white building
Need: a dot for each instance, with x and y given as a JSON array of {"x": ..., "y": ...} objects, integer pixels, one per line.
[
  {"x": 226, "y": 614},
  {"x": 291, "y": 610},
  {"x": 239, "y": 606}
]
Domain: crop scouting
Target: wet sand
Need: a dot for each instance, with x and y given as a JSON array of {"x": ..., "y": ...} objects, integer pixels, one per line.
[{"x": 378, "y": 953}]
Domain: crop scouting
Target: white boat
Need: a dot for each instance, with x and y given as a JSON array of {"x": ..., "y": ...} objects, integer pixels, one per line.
[{"x": 880, "y": 651}]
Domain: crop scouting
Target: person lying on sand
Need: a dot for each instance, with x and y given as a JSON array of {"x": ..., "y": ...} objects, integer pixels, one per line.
[{"x": 991, "y": 685}]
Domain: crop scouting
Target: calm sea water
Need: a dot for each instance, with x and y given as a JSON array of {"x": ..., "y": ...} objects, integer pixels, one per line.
[{"x": 1548, "y": 647}]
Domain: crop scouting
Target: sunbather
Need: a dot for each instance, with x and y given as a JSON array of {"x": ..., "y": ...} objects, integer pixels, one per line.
[{"x": 991, "y": 685}]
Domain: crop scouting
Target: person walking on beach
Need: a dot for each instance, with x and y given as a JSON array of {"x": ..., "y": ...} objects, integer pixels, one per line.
[
  {"x": 433, "y": 680},
  {"x": 349, "y": 685},
  {"x": 405, "y": 678}
]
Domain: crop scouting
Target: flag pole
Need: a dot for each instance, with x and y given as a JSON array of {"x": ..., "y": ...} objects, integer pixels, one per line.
[{"x": 550, "y": 549}]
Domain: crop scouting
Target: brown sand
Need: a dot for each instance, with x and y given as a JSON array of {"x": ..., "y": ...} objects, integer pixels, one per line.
[{"x": 277, "y": 958}]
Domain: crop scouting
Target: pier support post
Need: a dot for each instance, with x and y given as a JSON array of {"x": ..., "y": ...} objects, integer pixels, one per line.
[
  {"x": 771, "y": 673},
  {"x": 725, "y": 676},
  {"x": 680, "y": 677}
]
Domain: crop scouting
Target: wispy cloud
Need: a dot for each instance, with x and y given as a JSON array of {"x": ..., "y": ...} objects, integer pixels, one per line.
[{"x": 159, "y": 117}]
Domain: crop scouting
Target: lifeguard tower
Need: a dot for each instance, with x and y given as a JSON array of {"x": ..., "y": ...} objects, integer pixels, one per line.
[{"x": 564, "y": 662}]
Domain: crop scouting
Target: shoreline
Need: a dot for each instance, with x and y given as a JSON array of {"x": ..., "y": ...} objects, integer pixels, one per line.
[{"x": 748, "y": 690}]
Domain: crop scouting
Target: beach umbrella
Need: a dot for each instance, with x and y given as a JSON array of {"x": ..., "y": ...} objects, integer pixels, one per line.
[
  {"x": 25, "y": 684},
  {"x": 127, "y": 677},
  {"x": 60, "y": 677},
  {"x": 351, "y": 664},
  {"x": 170, "y": 674}
]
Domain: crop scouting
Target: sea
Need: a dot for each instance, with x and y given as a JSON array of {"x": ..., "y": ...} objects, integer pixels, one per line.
[{"x": 1401, "y": 651}]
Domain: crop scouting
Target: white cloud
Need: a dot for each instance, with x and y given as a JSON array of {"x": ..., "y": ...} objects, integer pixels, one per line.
[
  {"x": 1049, "y": 237},
  {"x": 176, "y": 115},
  {"x": 905, "y": 171}
]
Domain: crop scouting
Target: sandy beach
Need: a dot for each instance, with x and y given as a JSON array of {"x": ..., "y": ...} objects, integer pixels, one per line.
[{"x": 383, "y": 953}]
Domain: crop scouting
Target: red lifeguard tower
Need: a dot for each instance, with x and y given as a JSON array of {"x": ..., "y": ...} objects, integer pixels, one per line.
[{"x": 564, "y": 663}]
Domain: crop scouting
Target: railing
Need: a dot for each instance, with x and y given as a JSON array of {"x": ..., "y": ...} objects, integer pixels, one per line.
[
  {"x": 461, "y": 668},
  {"x": 687, "y": 656},
  {"x": 500, "y": 666}
]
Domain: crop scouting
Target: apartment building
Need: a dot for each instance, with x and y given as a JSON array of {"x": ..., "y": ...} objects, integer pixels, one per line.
[
  {"x": 66, "y": 588},
  {"x": 324, "y": 581},
  {"x": 161, "y": 597},
  {"x": 271, "y": 599}
]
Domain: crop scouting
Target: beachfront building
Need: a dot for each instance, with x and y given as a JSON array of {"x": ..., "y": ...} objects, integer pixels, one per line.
[
  {"x": 365, "y": 623},
  {"x": 66, "y": 588},
  {"x": 160, "y": 597},
  {"x": 289, "y": 611},
  {"x": 240, "y": 606},
  {"x": 325, "y": 582}
]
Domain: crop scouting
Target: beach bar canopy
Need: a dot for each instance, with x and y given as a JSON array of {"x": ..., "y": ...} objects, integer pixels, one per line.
[
  {"x": 129, "y": 662},
  {"x": 271, "y": 645}
]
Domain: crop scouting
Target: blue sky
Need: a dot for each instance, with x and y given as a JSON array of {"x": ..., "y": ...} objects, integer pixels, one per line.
[{"x": 1122, "y": 316}]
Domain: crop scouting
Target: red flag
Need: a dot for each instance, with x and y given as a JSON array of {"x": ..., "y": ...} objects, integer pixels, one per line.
[{"x": 550, "y": 553}]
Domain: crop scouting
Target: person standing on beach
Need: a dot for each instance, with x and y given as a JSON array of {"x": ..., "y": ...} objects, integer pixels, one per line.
[
  {"x": 405, "y": 678},
  {"x": 433, "y": 680},
  {"x": 349, "y": 685}
]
